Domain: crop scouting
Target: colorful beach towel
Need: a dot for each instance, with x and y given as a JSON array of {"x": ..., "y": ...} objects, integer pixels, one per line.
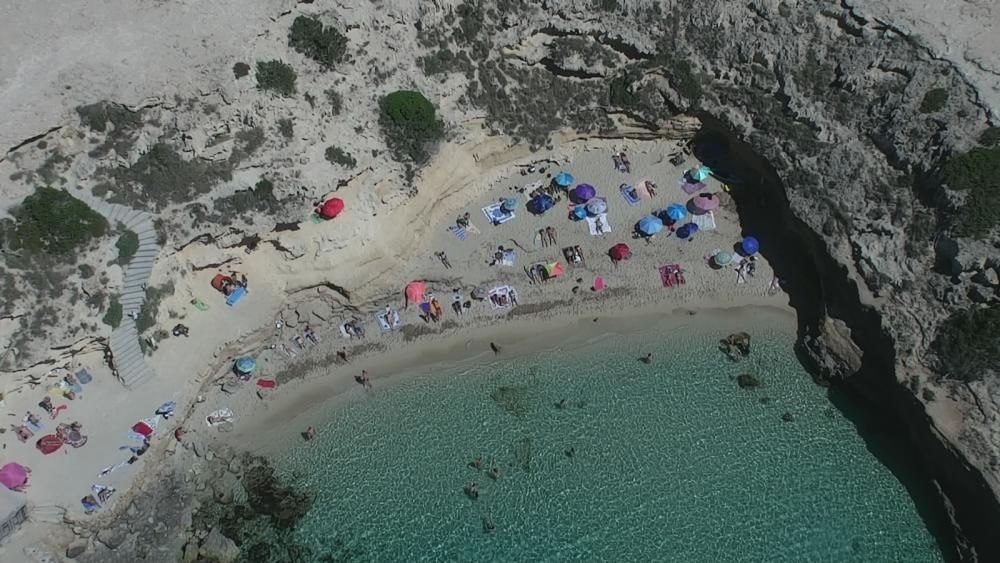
[
  {"x": 316, "y": 218},
  {"x": 267, "y": 383},
  {"x": 630, "y": 195},
  {"x": 236, "y": 295},
  {"x": 199, "y": 304},
  {"x": 458, "y": 232},
  {"x": 496, "y": 214}
]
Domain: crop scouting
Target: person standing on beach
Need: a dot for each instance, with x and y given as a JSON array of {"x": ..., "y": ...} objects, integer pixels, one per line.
[
  {"x": 494, "y": 347},
  {"x": 648, "y": 359},
  {"x": 342, "y": 354}
]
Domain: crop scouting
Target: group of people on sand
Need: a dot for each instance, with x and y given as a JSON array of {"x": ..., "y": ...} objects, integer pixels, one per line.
[
  {"x": 547, "y": 236},
  {"x": 736, "y": 345},
  {"x": 621, "y": 162},
  {"x": 234, "y": 280}
]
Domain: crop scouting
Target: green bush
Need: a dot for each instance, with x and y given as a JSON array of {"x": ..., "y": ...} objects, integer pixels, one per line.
[
  {"x": 113, "y": 316},
  {"x": 990, "y": 137},
  {"x": 966, "y": 343},
  {"x": 620, "y": 92},
  {"x": 410, "y": 125},
  {"x": 336, "y": 102},
  {"x": 128, "y": 245},
  {"x": 98, "y": 116},
  {"x": 240, "y": 70},
  {"x": 277, "y": 77},
  {"x": 151, "y": 306},
  {"x": 323, "y": 44},
  {"x": 337, "y": 155},
  {"x": 685, "y": 81},
  {"x": 978, "y": 172},
  {"x": 934, "y": 100},
  {"x": 51, "y": 221},
  {"x": 162, "y": 177},
  {"x": 607, "y": 5},
  {"x": 286, "y": 128}
]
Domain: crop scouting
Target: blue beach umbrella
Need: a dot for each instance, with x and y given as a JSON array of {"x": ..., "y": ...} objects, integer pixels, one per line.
[
  {"x": 580, "y": 211},
  {"x": 722, "y": 258},
  {"x": 510, "y": 204},
  {"x": 750, "y": 245},
  {"x": 564, "y": 179},
  {"x": 584, "y": 192},
  {"x": 676, "y": 212},
  {"x": 650, "y": 225},
  {"x": 542, "y": 203},
  {"x": 701, "y": 173},
  {"x": 246, "y": 364},
  {"x": 687, "y": 230}
]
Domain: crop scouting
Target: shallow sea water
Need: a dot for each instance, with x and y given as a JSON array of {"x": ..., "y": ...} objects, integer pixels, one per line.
[{"x": 672, "y": 461}]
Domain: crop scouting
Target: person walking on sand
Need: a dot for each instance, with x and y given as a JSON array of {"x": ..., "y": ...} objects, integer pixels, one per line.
[
  {"x": 365, "y": 380},
  {"x": 495, "y": 348},
  {"x": 309, "y": 434},
  {"x": 550, "y": 232},
  {"x": 342, "y": 354},
  {"x": 648, "y": 359}
]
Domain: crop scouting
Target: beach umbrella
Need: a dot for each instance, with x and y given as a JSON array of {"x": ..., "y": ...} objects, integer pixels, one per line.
[
  {"x": 723, "y": 257},
  {"x": 13, "y": 475},
  {"x": 700, "y": 174},
  {"x": 554, "y": 268},
  {"x": 620, "y": 251},
  {"x": 580, "y": 211},
  {"x": 542, "y": 203},
  {"x": 676, "y": 212},
  {"x": 564, "y": 179},
  {"x": 49, "y": 443},
  {"x": 597, "y": 206},
  {"x": 687, "y": 230},
  {"x": 598, "y": 283},
  {"x": 246, "y": 364},
  {"x": 509, "y": 204},
  {"x": 331, "y": 208},
  {"x": 480, "y": 292},
  {"x": 705, "y": 201},
  {"x": 415, "y": 291},
  {"x": 693, "y": 187},
  {"x": 750, "y": 245},
  {"x": 650, "y": 225},
  {"x": 584, "y": 192}
]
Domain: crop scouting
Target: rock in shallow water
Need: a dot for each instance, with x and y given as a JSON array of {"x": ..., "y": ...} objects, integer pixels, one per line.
[{"x": 218, "y": 547}]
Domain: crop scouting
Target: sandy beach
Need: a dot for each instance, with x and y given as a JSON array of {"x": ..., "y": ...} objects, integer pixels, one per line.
[{"x": 390, "y": 252}]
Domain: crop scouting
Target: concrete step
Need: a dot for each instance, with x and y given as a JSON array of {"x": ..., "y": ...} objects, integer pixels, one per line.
[
  {"x": 136, "y": 221},
  {"x": 127, "y": 356},
  {"x": 134, "y": 363}
]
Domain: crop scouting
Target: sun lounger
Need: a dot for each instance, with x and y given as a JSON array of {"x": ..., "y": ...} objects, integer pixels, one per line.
[
  {"x": 496, "y": 215},
  {"x": 592, "y": 224},
  {"x": 705, "y": 222},
  {"x": 235, "y": 296},
  {"x": 630, "y": 195}
]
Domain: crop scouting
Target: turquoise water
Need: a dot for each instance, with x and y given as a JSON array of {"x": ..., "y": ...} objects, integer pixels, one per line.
[{"x": 672, "y": 461}]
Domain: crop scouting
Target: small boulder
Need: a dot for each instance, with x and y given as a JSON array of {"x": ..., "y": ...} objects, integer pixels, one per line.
[
  {"x": 112, "y": 537},
  {"x": 76, "y": 549},
  {"x": 219, "y": 548},
  {"x": 747, "y": 381}
]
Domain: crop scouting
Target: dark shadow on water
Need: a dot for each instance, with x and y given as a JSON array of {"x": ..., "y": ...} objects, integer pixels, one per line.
[{"x": 881, "y": 434}]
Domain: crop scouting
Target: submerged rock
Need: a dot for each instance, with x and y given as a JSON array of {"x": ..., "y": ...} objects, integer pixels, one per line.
[
  {"x": 748, "y": 381},
  {"x": 218, "y": 547}
]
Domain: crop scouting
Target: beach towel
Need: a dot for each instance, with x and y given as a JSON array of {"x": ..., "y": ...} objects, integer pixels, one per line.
[
  {"x": 88, "y": 506},
  {"x": 458, "y": 232},
  {"x": 343, "y": 331},
  {"x": 592, "y": 224},
  {"x": 509, "y": 256},
  {"x": 630, "y": 195},
  {"x": 496, "y": 215},
  {"x": 103, "y": 492},
  {"x": 146, "y": 427},
  {"x": 235, "y": 296},
  {"x": 387, "y": 324},
  {"x": 166, "y": 410},
  {"x": 671, "y": 276},
  {"x": 316, "y": 218},
  {"x": 705, "y": 222},
  {"x": 221, "y": 416},
  {"x": 83, "y": 376},
  {"x": 199, "y": 304},
  {"x": 267, "y": 383},
  {"x": 500, "y": 297}
]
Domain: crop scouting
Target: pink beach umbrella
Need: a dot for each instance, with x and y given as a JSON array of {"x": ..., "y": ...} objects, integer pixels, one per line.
[
  {"x": 705, "y": 201},
  {"x": 598, "y": 283},
  {"x": 13, "y": 475}
]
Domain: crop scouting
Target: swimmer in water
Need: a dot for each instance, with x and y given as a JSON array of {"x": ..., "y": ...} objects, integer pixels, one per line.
[
  {"x": 473, "y": 491},
  {"x": 495, "y": 473}
]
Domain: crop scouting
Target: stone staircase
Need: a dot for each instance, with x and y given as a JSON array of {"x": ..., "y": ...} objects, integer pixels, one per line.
[{"x": 128, "y": 356}]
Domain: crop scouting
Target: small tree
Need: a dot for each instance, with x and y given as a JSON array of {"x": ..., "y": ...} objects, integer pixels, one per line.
[
  {"x": 410, "y": 125},
  {"x": 128, "y": 245},
  {"x": 934, "y": 100},
  {"x": 113, "y": 316},
  {"x": 966, "y": 343},
  {"x": 337, "y": 155},
  {"x": 277, "y": 77},
  {"x": 323, "y": 44},
  {"x": 286, "y": 127},
  {"x": 53, "y": 222}
]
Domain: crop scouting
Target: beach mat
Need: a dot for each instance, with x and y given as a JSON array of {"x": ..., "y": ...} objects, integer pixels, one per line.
[
  {"x": 705, "y": 221},
  {"x": 199, "y": 304},
  {"x": 316, "y": 218},
  {"x": 458, "y": 232}
]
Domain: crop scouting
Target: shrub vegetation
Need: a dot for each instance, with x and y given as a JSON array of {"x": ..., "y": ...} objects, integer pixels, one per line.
[
  {"x": 162, "y": 177},
  {"x": 113, "y": 316},
  {"x": 337, "y": 155},
  {"x": 240, "y": 70},
  {"x": 276, "y": 76},
  {"x": 934, "y": 100},
  {"x": 990, "y": 137},
  {"x": 97, "y": 116},
  {"x": 286, "y": 128},
  {"x": 128, "y": 245},
  {"x": 684, "y": 80},
  {"x": 978, "y": 172},
  {"x": 966, "y": 343},
  {"x": 52, "y": 222},
  {"x": 336, "y": 101},
  {"x": 323, "y": 44},
  {"x": 410, "y": 125},
  {"x": 620, "y": 92}
]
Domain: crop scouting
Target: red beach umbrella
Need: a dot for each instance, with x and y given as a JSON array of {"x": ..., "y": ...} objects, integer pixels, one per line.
[
  {"x": 620, "y": 251},
  {"x": 415, "y": 291},
  {"x": 331, "y": 208}
]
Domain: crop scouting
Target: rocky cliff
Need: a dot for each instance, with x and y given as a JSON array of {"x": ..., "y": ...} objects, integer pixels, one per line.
[{"x": 832, "y": 119}]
